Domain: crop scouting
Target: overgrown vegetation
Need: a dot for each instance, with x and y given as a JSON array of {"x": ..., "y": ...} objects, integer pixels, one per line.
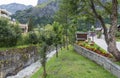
[
  {"x": 117, "y": 35},
  {"x": 9, "y": 33}
]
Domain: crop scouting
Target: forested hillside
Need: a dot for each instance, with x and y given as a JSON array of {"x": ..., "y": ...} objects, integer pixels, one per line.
[{"x": 43, "y": 13}]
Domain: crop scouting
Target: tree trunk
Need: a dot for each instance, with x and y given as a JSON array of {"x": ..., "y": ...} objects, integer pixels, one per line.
[
  {"x": 109, "y": 35},
  {"x": 63, "y": 42},
  {"x": 60, "y": 46},
  {"x": 67, "y": 42},
  {"x": 44, "y": 73},
  {"x": 113, "y": 49},
  {"x": 56, "y": 51}
]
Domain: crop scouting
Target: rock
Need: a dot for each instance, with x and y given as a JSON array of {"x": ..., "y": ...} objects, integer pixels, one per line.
[{"x": 14, "y": 60}]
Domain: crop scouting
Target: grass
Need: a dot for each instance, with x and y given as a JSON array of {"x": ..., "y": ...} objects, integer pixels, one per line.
[
  {"x": 20, "y": 46},
  {"x": 70, "y": 64},
  {"x": 118, "y": 63}
]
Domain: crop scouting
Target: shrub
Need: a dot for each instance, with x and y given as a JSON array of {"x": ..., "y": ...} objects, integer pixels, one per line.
[
  {"x": 117, "y": 34},
  {"x": 8, "y": 35},
  {"x": 23, "y": 40},
  {"x": 32, "y": 38},
  {"x": 99, "y": 34}
]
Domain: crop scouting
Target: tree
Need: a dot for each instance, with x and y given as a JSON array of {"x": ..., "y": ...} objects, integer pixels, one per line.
[
  {"x": 109, "y": 34},
  {"x": 43, "y": 58},
  {"x": 63, "y": 17},
  {"x": 57, "y": 35},
  {"x": 30, "y": 24},
  {"x": 99, "y": 9},
  {"x": 102, "y": 10},
  {"x": 46, "y": 42}
]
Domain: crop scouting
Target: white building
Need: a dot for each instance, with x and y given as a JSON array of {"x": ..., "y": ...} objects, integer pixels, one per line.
[
  {"x": 24, "y": 27},
  {"x": 5, "y": 13}
]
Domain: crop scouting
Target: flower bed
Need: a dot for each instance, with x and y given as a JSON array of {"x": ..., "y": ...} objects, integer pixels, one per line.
[{"x": 94, "y": 47}]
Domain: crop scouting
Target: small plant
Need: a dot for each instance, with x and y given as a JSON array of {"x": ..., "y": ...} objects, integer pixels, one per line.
[
  {"x": 94, "y": 48},
  {"x": 99, "y": 34}
]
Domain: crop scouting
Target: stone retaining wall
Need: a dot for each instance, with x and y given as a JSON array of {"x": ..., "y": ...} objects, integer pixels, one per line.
[
  {"x": 101, "y": 60},
  {"x": 14, "y": 60}
]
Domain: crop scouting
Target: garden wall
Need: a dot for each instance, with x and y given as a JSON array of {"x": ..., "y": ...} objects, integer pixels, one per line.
[
  {"x": 101, "y": 60},
  {"x": 14, "y": 60}
]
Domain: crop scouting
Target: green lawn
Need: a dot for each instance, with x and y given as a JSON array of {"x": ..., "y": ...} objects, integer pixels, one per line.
[
  {"x": 72, "y": 65},
  {"x": 14, "y": 47}
]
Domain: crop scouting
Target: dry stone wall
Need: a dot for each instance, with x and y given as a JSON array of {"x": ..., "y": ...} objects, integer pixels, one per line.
[{"x": 14, "y": 60}]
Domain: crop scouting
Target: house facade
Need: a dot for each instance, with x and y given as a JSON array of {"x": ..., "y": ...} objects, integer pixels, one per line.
[
  {"x": 24, "y": 27},
  {"x": 4, "y": 13}
]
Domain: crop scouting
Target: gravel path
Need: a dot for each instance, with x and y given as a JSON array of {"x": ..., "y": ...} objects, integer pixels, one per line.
[{"x": 28, "y": 71}]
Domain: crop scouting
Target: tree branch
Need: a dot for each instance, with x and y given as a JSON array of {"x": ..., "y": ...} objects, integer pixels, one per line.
[
  {"x": 99, "y": 17},
  {"x": 101, "y": 4}
]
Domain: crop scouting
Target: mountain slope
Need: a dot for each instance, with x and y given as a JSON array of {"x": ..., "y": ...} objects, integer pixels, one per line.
[
  {"x": 41, "y": 14},
  {"x": 13, "y": 7},
  {"x": 42, "y": 1}
]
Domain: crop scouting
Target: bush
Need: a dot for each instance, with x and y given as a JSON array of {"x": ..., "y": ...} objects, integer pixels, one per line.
[
  {"x": 28, "y": 38},
  {"x": 117, "y": 34},
  {"x": 32, "y": 38},
  {"x": 23, "y": 40},
  {"x": 99, "y": 34},
  {"x": 8, "y": 35}
]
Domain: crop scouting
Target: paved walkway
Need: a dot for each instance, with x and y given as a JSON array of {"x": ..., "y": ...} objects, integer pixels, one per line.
[
  {"x": 101, "y": 42},
  {"x": 28, "y": 71}
]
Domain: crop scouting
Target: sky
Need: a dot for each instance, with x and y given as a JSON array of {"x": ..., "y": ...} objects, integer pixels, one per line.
[{"x": 26, "y": 2}]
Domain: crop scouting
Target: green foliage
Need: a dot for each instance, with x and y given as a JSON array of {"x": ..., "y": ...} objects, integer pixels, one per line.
[
  {"x": 99, "y": 34},
  {"x": 22, "y": 16},
  {"x": 57, "y": 33},
  {"x": 46, "y": 39},
  {"x": 32, "y": 38},
  {"x": 38, "y": 15},
  {"x": 43, "y": 53},
  {"x": 57, "y": 36},
  {"x": 30, "y": 24},
  {"x": 63, "y": 16},
  {"x": 28, "y": 38},
  {"x": 117, "y": 34},
  {"x": 9, "y": 33},
  {"x": 23, "y": 40}
]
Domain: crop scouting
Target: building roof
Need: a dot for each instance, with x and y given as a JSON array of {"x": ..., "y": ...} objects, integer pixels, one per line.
[
  {"x": 23, "y": 25},
  {"x": 98, "y": 29},
  {"x": 4, "y": 11}
]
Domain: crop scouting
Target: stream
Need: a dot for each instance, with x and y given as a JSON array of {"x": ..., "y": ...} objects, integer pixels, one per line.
[{"x": 30, "y": 70}]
